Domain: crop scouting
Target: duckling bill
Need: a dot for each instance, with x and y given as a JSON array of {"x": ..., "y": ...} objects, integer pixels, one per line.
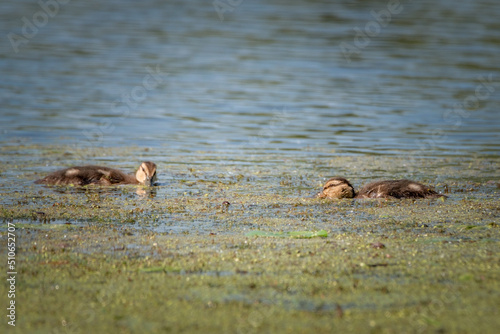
[
  {"x": 339, "y": 187},
  {"x": 102, "y": 176}
]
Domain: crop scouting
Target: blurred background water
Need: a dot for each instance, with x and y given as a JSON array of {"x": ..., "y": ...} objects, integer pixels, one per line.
[{"x": 349, "y": 77}]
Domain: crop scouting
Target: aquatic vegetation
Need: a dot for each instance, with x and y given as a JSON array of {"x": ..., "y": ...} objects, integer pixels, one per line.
[
  {"x": 188, "y": 255},
  {"x": 289, "y": 234}
]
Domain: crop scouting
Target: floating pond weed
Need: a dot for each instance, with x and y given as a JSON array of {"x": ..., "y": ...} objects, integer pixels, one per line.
[{"x": 247, "y": 246}]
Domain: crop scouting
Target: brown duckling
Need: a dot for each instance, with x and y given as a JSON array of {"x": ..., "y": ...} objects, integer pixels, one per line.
[
  {"x": 102, "y": 176},
  {"x": 338, "y": 187}
]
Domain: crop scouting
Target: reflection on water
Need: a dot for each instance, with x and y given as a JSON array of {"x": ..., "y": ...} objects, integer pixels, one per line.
[
  {"x": 421, "y": 78},
  {"x": 94, "y": 193}
]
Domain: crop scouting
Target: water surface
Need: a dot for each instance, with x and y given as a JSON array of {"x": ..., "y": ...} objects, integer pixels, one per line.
[{"x": 266, "y": 77}]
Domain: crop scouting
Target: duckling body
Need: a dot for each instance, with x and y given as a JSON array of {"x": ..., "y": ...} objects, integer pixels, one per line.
[
  {"x": 397, "y": 189},
  {"x": 102, "y": 176},
  {"x": 339, "y": 187}
]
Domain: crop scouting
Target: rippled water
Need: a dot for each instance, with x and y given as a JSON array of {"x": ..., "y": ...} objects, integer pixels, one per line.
[{"x": 263, "y": 75}]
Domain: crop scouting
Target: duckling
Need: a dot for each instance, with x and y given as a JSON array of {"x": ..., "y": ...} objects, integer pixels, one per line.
[
  {"x": 103, "y": 176},
  {"x": 339, "y": 187}
]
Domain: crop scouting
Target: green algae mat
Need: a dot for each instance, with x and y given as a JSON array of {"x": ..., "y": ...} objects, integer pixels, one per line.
[
  {"x": 240, "y": 245},
  {"x": 288, "y": 234}
]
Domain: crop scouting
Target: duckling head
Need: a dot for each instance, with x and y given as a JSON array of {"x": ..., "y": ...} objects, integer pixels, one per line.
[
  {"x": 337, "y": 188},
  {"x": 146, "y": 174}
]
